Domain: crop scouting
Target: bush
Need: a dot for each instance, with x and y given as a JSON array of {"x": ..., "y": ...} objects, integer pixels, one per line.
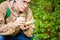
[{"x": 47, "y": 19}]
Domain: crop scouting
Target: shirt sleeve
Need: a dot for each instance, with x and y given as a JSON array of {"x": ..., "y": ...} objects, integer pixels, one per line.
[
  {"x": 11, "y": 27},
  {"x": 29, "y": 24}
]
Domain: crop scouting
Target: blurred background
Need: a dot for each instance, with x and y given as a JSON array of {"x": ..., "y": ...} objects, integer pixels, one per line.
[{"x": 46, "y": 15}]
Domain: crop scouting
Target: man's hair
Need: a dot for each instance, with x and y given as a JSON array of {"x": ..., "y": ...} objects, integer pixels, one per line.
[{"x": 10, "y": 0}]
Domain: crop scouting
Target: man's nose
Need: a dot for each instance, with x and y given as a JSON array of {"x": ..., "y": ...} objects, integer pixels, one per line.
[{"x": 25, "y": 6}]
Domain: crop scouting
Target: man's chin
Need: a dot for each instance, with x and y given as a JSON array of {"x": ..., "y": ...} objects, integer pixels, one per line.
[{"x": 22, "y": 11}]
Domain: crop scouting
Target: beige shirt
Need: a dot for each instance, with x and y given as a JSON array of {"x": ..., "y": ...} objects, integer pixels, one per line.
[{"x": 15, "y": 22}]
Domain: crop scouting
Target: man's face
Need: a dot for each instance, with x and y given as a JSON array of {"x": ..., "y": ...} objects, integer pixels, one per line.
[{"x": 21, "y": 5}]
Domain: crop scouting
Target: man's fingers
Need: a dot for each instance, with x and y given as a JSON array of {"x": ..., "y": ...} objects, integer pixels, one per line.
[{"x": 22, "y": 27}]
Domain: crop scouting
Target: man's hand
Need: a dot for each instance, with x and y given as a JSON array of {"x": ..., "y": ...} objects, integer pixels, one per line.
[
  {"x": 23, "y": 27},
  {"x": 21, "y": 22}
]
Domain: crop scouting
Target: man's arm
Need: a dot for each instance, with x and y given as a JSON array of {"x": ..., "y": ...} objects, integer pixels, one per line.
[
  {"x": 29, "y": 24},
  {"x": 10, "y": 27}
]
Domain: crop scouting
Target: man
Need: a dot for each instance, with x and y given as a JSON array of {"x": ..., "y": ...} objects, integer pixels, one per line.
[{"x": 17, "y": 19}]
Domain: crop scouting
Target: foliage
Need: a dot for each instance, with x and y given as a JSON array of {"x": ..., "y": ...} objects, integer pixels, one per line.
[
  {"x": 1, "y": 1},
  {"x": 47, "y": 19}
]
